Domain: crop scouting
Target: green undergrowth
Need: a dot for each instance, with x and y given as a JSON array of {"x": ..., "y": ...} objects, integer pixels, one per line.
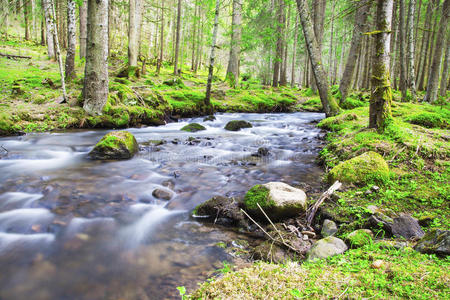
[
  {"x": 402, "y": 273},
  {"x": 417, "y": 155}
]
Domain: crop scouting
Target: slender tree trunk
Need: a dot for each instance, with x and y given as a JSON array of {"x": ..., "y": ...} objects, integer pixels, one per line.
[
  {"x": 212, "y": 57},
  {"x": 6, "y": 16},
  {"x": 433, "y": 81},
  {"x": 26, "y": 13},
  {"x": 161, "y": 41},
  {"x": 232, "y": 75},
  {"x": 411, "y": 59},
  {"x": 48, "y": 27},
  {"x": 445, "y": 69},
  {"x": 71, "y": 40},
  {"x": 331, "y": 54},
  {"x": 42, "y": 31},
  {"x": 95, "y": 90},
  {"x": 285, "y": 28},
  {"x": 394, "y": 42},
  {"x": 431, "y": 50},
  {"x": 425, "y": 46},
  {"x": 177, "y": 43},
  {"x": 294, "y": 51},
  {"x": 360, "y": 21},
  {"x": 402, "y": 43},
  {"x": 380, "y": 101},
  {"x": 194, "y": 36},
  {"x": 83, "y": 28},
  {"x": 329, "y": 104},
  {"x": 416, "y": 34},
  {"x": 134, "y": 21},
  {"x": 279, "y": 52}
]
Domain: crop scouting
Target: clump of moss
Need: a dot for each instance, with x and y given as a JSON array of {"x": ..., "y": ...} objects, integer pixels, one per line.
[
  {"x": 359, "y": 238},
  {"x": 237, "y": 125},
  {"x": 193, "y": 127},
  {"x": 336, "y": 123},
  {"x": 313, "y": 104},
  {"x": 115, "y": 145},
  {"x": 258, "y": 194},
  {"x": 428, "y": 120},
  {"x": 367, "y": 167},
  {"x": 350, "y": 103},
  {"x": 6, "y": 125}
]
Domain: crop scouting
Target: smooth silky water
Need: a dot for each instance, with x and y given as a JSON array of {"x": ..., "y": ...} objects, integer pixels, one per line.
[{"x": 73, "y": 228}]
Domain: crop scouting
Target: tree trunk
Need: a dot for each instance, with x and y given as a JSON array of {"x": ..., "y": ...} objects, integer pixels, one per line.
[
  {"x": 177, "y": 42},
  {"x": 433, "y": 81},
  {"x": 380, "y": 101},
  {"x": 425, "y": 46},
  {"x": 161, "y": 41},
  {"x": 6, "y": 16},
  {"x": 331, "y": 53},
  {"x": 71, "y": 40},
  {"x": 294, "y": 51},
  {"x": 445, "y": 69},
  {"x": 279, "y": 51},
  {"x": 360, "y": 21},
  {"x": 134, "y": 22},
  {"x": 431, "y": 50},
  {"x": 402, "y": 42},
  {"x": 48, "y": 27},
  {"x": 235, "y": 46},
  {"x": 194, "y": 36},
  {"x": 283, "y": 71},
  {"x": 95, "y": 90},
  {"x": 83, "y": 28},
  {"x": 411, "y": 59},
  {"x": 26, "y": 13},
  {"x": 212, "y": 57},
  {"x": 329, "y": 104}
]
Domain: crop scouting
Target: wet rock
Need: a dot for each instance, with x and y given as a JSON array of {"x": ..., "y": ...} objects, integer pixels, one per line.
[
  {"x": 327, "y": 247},
  {"x": 328, "y": 228},
  {"x": 380, "y": 221},
  {"x": 407, "y": 227},
  {"x": 279, "y": 201},
  {"x": 361, "y": 169},
  {"x": 162, "y": 194},
  {"x": 209, "y": 118},
  {"x": 359, "y": 238},
  {"x": 237, "y": 125},
  {"x": 115, "y": 145},
  {"x": 221, "y": 210},
  {"x": 168, "y": 184},
  {"x": 193, "y": 127},
  {"x": 435, "y": 242},
  {"x": 262, "y": 152}
]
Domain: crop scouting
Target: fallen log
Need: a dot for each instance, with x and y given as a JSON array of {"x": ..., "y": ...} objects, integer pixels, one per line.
[{"x": 13, "y": 56}]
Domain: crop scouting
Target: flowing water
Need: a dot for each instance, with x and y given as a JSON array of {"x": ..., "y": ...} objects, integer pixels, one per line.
[{"x": 73, "y": 228}]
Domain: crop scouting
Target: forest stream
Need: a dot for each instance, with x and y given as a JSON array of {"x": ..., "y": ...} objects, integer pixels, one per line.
[{"x": 74, "y": 228}]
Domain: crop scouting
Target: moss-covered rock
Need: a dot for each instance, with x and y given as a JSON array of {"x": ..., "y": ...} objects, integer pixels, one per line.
[
  {"x": 367, "y": 167},
  {"x": 237, "y": 125},
  {"x": 193, "y": 127},
  {"x": 278, "y": 200},
  {"x": 435, "y": 242},
  {"x": 220, "y": 210},
  {"x": 359, "y": 238},
  {"x": 115, "y": 145}
]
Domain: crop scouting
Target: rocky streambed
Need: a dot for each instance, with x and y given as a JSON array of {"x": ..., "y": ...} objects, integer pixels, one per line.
[{"x": 76, "y": 228}]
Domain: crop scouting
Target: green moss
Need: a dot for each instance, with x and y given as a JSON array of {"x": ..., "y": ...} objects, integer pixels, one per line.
[
  {"x": 193, "y": 127},
  {"x": 362, "y": 169},
  {"x": 359, "y": 238},
  {"x": 428, "y": 120},
  {"x": 258, "y": 195},
  {"x": 237, "y": 125}
]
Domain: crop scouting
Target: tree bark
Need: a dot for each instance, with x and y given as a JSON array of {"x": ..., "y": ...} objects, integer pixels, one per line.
[
  {"x": 433, "y": 82},
  {"x": 279, "y": 51},
  {"x": 331, "y": 52},
  {"x": 425, "y": 46},
  {"x": 329, "y": 104},
  {"x": 380, "y": 101},
  {"x": 294, "y": 51},
  {"x": 83, "y": 28},
  {"x": 161, "y": 41},
  {"x": 212, "y": 57},
  {"x": 26, "y": 13},
  {"x": 177, "y": 42},
  {"x": 411, "y": 59},
  {"x": 283, "y": 71},
  {"x": 95, "y": 90},
  {"x": 134, "y": 22},
  {"x": 445, "y": 69},
  {"x": 360, "y": 21},
  {"x": 71, "y": 40},
  {"x": 48, "y": 27},
  {"x": 235, "y": 46},
  {"x": 402, "y": 41},
  {"x": 194, "y": 36}
]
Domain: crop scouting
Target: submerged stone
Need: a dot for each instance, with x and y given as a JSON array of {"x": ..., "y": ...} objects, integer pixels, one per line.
[
  {"x": 278, "y": 200},
  {"x": 237, "y": 125},
  {"x": 369, "y": 166},
  {"x": 193, "y": 127},
  {"x": 115, "y": 145},
  {"x": 162, "y": 194}
]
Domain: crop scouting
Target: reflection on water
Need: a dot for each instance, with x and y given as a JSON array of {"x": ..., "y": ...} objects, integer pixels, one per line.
[{"x": 72, "y": 228}]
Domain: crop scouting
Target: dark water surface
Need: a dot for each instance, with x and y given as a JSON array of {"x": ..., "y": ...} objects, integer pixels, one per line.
[{"x": 72, "y": 228}]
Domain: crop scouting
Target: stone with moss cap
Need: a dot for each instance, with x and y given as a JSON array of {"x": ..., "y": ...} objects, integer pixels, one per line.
[
  {"x": 367, "y": 167},
  {"x": 115, "y": 145},
  {"x": 359, "y": 238},
  {"x": 279, "y": 200},
  {"x": 237, "y": 125},
  {"x": 193, "y": 127}
]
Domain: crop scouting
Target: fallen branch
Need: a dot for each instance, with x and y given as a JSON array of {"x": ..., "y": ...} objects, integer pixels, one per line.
[
  {"x": 13, "y": 56},
  {"x": 313, "y": 209}
]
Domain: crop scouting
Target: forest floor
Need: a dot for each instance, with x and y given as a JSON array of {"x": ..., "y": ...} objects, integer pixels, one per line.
[{"x": 416, "y": 147}]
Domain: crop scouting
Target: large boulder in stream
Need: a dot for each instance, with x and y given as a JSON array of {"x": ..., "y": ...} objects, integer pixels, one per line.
[
  {"x": 278, "y": 200},
  {"x": 237, "y": 125},
  {"x": 361, "y": 169},
  {"x": 193, "y": 127},
  {"x": 114, "y": 146}
]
